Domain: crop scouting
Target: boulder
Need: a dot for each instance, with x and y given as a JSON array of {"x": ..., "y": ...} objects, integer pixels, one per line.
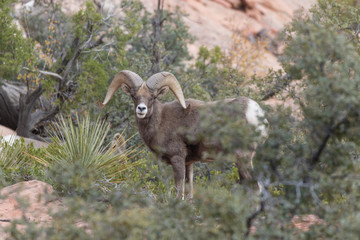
[
  {"x": 11, "y": 138},
  {"x": 39, "y": 200},
  {"x": 6, "y": 131}
]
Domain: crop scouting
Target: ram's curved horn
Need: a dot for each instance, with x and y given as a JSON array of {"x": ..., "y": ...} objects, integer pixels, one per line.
[
  {"x": 162, "y": 79},
  {"x": 125, "y": 77}
]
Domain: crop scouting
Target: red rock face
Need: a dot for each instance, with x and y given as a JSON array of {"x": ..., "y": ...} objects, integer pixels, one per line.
[
  {"x": 36, "y": 194},
  {"x": 212, "y": 22}
]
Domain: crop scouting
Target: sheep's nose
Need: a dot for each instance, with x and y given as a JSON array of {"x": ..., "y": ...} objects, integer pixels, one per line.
[{"x": 141, "y": 108}]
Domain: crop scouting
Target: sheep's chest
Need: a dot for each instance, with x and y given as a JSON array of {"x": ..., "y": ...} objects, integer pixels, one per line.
[
  {"x": 163, "y": 144},
  {"x": 153, "y": 139}
]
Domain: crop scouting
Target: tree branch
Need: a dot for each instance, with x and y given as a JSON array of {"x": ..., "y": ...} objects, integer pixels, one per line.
[
  {"x": 28, "y": 120},
  {"x": 9, "y": 114},
  {"x": 46, "y": 73},
  {"x": 26, "y": 104},
  {"x": 280, "y": 84},
  {"x": 316, "y": 156},
  {"x": 264, "y": 196}
]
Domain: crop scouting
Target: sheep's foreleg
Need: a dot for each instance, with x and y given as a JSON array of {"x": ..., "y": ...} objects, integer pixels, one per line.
[
  {"x": 178, "y": 165},
  {"x": 189, "y": 181}
]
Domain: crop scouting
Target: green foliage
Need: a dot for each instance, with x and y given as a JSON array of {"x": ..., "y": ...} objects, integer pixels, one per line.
[
  {"x": 213, "y": 77},
  {"x": 93, "y": 83},
  {"x": 136, "y": 39},
  {"x": 127, "y": 28},
  {"x": 78, "y": 152},
  {"x": 42, "y": 22},
  {"x": 207, "y": 57},
  {"x": 12, "y": 153},
  {"x": 67, "y": 50},
  {"x": 341, "y": 15},
  {"x": 84, "y": 19},
  {"x": 309, "y": 157},
  {"x": 154, "y": 178},
  {"x": 14, "y": 48},
  {"x": 171, "y": 41},
  {"x": 16, "y": 163},
  {"x": 214, "y": 214}
]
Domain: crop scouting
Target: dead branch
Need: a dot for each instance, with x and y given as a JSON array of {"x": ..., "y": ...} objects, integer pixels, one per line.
[
  {"x": 46, "y": 73},
  {"x": 280, "y": 84},
  {"x": 9, "y": 112},
  {"x": 28, "y": 120},
  {"x": 261, "y": 208}
]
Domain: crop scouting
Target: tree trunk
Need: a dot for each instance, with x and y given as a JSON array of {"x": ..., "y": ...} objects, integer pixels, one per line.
[
  {"x": 29, "y": 120},
  {"x": 157, "y": 27},
  {"x": 9, "y": 112}
]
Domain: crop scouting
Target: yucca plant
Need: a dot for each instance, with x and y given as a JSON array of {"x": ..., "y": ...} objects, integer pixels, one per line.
[
  {"x": 79, "y": 157},
  {"x": 11, "y": 153}
]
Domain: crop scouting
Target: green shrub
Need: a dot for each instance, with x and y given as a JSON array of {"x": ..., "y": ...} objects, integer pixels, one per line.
[
  {"x": 15, "y": 50},
  {"x": 16, "y": 163},
  {"x": 78, "y": 158}
]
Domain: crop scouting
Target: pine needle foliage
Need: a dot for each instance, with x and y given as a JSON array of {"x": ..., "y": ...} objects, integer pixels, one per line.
[
  {"x": 17, "y": 162},
  {"x": 14, "y": 48}
]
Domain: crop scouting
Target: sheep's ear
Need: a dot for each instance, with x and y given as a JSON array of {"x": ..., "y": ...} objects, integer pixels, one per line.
[
  {"x": 126, "y": 89},
  {"x": 162, "y": 91}
]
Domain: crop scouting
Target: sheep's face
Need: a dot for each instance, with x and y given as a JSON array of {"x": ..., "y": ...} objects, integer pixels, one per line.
[{"x": 144, "y": 99}]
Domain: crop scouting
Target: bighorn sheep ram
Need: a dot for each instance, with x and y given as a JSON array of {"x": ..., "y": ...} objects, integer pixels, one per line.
[{"x": 158, "y": 123}]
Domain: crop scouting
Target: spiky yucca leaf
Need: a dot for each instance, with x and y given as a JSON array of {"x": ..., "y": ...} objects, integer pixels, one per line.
[
  {"x": 82, "y": 144},
  {"x": 11, "y": 153}
]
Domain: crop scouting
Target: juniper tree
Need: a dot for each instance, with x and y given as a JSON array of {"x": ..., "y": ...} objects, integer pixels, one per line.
[{"x": 311, "y": 155}]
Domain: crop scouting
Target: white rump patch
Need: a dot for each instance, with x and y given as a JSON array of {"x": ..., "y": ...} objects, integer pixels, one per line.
[{"x": 255, "y": 116}]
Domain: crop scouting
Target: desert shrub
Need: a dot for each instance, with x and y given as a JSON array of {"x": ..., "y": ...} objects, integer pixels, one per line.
[
  {"x": 245, "y": 54},
  {"x": 130, "y": 213},
  {"x": 161, "y": 41},
  {"x": 78, "y": 157},
  {"x": 16, "y": 163},
  {"x": 212, "y": 77},
  {"x": 14, "y": 48},
  {"x": 310, "y": 156}
]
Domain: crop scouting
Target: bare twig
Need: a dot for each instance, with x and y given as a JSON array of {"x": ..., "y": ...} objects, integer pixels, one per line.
[
  {"x": 264, "y": 197},
  {"x": 280, "y": 84},
  {"x": 99, "y": 50},
  {"x": 45, "y": 73},
  {"x": 316, "y": 156}
]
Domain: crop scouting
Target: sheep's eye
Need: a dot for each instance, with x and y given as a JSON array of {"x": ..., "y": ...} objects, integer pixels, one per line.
[{"x": 151, "y": 100}]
